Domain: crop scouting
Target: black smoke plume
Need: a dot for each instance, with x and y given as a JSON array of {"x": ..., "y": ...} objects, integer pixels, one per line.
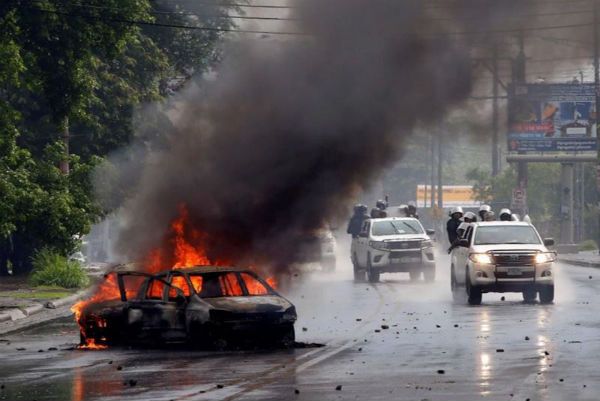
[{"x": 279, "y": 142}]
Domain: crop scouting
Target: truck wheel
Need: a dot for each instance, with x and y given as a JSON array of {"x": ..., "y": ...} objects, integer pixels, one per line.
[
  {"x": 547, "y": 294},
  {"x": 429, "y": 274},
  {"x": 359, "y": 274},
  {"x": 414, "y": 275},
  {"x": 473, "y": 293},
  {"x": 372, "y": 274},
  {"x": 529, "y": 295}
]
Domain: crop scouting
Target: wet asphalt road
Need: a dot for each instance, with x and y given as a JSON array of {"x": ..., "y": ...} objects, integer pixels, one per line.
[{"x": 433, "y": 350}]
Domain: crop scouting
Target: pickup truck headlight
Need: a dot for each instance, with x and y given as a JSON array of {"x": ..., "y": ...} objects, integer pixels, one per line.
[
  {"x": 545, "y": 257},
  {"x": 426, "y": 244},
  {"x": 481, "y": 258},
  {"x": 381, "y": 245}
]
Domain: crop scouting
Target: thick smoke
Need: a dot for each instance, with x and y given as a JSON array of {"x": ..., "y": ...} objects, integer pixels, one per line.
[{"x": 278, "y": 143}]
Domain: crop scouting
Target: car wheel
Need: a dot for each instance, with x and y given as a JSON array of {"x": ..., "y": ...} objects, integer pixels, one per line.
[
  {"x": 473, "y": 293},
  {"x": 288, "y": 336},
  {"x": 529, "y": 295},
  {"x": 359, "y": 274},
  {"x": 414, "y": 275},
  {"x": 547, "y": 294},
  {"x": 372, "y": 274},
  {"x": 429, "y": 274}
]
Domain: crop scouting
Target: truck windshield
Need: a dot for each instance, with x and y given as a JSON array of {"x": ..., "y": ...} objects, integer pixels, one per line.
[
  {"x": 506, "y": 235},
  {"x": 395, "y": 227}
]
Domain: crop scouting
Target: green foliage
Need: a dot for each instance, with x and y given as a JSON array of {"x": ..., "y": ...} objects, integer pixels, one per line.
[
  {"x": 588, "y": 245},
  {"x": 68, "y": 64},
  {"x": 52, "y": 268}
]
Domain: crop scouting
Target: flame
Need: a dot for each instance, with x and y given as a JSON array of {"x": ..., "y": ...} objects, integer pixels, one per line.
[
  {"x": 184, "y": 246},
  {"x": 90, "y": 344}
]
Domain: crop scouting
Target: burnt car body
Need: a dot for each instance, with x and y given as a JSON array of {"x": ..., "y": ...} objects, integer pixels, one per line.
[{"x": 202, "y": 306}]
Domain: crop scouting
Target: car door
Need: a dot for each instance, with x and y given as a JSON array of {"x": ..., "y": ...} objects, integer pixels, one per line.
[
  {"x": 461, "y": 257},
  {"x": 362, "y": 243},
  {"x": 158, "y": 313}
]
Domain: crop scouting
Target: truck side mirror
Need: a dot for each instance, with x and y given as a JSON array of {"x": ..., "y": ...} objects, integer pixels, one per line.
[
  {"x": 463, "y": 242},
  {"x": 549, "y": 241},
  {"x": 429, "y": 231}
]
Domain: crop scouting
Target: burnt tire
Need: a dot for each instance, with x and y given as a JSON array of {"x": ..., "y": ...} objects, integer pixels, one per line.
[
  {"x": 372, "y": 274},
  {"x": 529, "y": 295},
  {"x": 429, "y": 274},
  {"x": 547, "y": 294},
  {"x": 287, "y": 338},
  {"x": 414, "y": 275}
]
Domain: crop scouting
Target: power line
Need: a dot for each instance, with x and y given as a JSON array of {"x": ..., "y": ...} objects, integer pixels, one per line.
[{"x": 162, "y": 25}]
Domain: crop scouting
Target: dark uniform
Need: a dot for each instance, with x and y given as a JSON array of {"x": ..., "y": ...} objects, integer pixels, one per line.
[
  {"x": 356, "y": 221},
  {"x": 451, "y": 227}
]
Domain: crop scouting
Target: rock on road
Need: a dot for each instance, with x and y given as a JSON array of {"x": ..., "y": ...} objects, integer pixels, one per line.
[{"x": 392, "y": 340}]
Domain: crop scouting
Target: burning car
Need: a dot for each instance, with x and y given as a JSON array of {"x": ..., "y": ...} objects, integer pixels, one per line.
[{"x": 203, "y": 306}]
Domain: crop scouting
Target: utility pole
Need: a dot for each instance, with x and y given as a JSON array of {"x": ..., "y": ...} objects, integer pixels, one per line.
[
  {"x": 597, "y": 90},
  {"x": 495, "y": 78},
  {"x": 519, "y": 77},
  {"x": 432, "y": 149},
  {"x": 440, "y": 190}
]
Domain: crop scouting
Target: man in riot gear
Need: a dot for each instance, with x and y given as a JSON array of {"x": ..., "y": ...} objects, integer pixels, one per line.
[
  {"x": 411, "y": 210},
  {"x": 357, "y": 219},
  {"x": 378, "y": 211},
  {"x": 452, "y": 225},
  {"x": 483, "y": 210},
  {"x": 470, "y": 217},
  {"x": 505, "y": 215}
]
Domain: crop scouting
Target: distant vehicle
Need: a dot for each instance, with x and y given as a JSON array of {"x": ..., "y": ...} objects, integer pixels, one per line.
[
  {"x": 203, "y": 306},
  {"x": 392, "y": 245},
  {"x": 503, "y": 256},
  {"x": 318, "y": 247}
]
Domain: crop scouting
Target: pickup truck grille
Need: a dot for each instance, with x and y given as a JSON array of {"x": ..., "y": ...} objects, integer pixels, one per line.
[
  {"x": 414, "y": 244},
  {"x": 410, "y": 253},
  {"x": 514, "y": 259},
  {"x": 525, "y": 274}
]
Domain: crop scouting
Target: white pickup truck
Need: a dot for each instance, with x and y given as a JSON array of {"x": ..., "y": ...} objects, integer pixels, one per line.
[
  {"x": 390, "y": 245},
  {"x": 502, "y": 256}
]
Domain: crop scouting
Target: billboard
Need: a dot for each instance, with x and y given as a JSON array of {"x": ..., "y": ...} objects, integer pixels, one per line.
[
  {"x": 551, "y": 118},
  {"x": 452, "y": 195}
]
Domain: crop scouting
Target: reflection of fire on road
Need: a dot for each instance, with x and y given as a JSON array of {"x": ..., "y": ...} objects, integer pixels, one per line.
[{"x": 184, "y": 247}]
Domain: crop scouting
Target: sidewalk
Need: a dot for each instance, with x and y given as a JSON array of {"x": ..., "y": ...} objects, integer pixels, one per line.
[
  {"x": 19, "y": 303},
  {"x": 586, "y": 259}
]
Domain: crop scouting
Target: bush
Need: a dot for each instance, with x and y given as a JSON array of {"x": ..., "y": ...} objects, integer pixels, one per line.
[
  {"x": 52, "y": 268},
  {"x": 588, "y": 245}
]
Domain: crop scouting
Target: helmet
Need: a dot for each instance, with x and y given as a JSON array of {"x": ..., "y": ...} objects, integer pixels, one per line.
[
  {"x": 455, "y": 210},
  {"x": 402, "y": 209},
  {"x": 485, "y": 208},
  {"x": 357, "y": 208},
  {"x": 412, "y": 204},
  {"x": 363, "y": 208},
  {"x": 505, "y": 215},
  {"x": 380, "y": 204},
  {"x": 470, "y": 217}
]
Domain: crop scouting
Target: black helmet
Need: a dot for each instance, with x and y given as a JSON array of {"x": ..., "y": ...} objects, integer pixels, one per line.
[
  {"x": 505, "y": 215},
  {"x": 380, "y": 204},
  {"x": 363, "y": 208},
  {"x": 412, "y": 205}
]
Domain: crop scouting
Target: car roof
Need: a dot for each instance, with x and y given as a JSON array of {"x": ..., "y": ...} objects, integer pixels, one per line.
[
  {"x": 393, "y": 218},
  {"x": 209, "y": 269},
  {"x": 501, "y": 223}
]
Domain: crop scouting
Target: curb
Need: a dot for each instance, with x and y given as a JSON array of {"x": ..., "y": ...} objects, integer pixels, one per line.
[
  {"x": 18, "y": 314},
  {"x": 582, "y": 263}
]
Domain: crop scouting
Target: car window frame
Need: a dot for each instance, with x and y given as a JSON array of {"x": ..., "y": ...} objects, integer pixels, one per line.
[
  {"x": 270, "y": 290},
  {"x": 166, "y": 289}
]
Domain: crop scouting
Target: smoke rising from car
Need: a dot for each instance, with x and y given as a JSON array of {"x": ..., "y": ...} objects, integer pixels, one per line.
[{"x": 279, "y": 142}]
